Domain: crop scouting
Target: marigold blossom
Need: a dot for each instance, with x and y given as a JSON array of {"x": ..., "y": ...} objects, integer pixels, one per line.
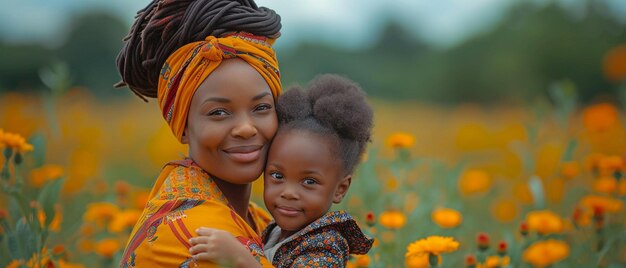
[{"x": 432, "y": 245}]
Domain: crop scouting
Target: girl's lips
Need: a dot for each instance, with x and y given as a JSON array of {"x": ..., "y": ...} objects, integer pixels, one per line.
[
  {"x": 287, "y": 211},
  {"x": 244, "y": 154}
]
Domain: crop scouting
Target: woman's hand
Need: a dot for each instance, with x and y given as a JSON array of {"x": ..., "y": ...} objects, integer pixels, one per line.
[{"x": 220, "y": 247}]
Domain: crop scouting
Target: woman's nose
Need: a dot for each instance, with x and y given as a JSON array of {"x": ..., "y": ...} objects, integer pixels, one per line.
[{"x": 245, "y": 128}]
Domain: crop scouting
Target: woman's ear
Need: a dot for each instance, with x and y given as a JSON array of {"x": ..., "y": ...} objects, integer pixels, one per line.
[
  {"x": 184, "y": 139},
  {"x": 342, "y": 188}
]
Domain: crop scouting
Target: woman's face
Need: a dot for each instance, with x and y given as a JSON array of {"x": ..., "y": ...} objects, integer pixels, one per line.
[
  {"x": 303, "y": 178},
  {"x": 231, "y": 122}
]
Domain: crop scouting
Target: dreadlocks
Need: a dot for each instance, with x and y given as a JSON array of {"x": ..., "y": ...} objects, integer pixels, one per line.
[{"x": 165, "y": 25}]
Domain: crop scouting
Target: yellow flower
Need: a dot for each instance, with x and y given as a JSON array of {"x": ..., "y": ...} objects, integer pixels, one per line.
[
  {"x": 544, "y": 222},
  {"x": 432, "y": 245},
  {"x": 495, "y": 262},
  {"x": 606, "y": 185},
  {"x": 474, "y": 181},
  {"x": 362, "y": 260},
  {"x": 400, "y": 140},
  {"x": 420, "y": 261},
  {"x": 125, "y": 219},
  {"x": 107, "y": 247},
  {"x": 607, "y": 204},
  {"x": 392, "y": 219},
  {"x": 14, "y": 141},
  {"x": 446, "y": 217},
  {"x": 545, "y": 253},
  {"x": 600, "y": 117},
  {"x": 100, "y": 212},
  {"x": 39, "y": 176}
]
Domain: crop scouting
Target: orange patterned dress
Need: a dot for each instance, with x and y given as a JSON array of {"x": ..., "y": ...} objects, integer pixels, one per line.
[{"x": 183, "y": 199}]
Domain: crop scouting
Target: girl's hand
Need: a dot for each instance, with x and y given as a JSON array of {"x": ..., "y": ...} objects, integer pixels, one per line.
[{"x": 219, "y": 246}]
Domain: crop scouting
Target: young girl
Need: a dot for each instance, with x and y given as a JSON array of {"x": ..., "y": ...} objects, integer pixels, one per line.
[{"x": 322, "y": 135}]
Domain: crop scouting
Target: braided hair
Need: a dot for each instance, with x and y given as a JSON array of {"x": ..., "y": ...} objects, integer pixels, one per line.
[
  {"x": 334, "y": 107},
  {"x": 166, "y": 25}
]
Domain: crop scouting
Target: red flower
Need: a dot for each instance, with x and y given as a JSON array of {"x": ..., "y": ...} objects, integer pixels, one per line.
[
  {"x": 502, "y": 247},
  {"x": 523, "y": 228},
  {"x": 370, "y": 219},
  {"x": 482, "y": 239},
  {"x": 470, "y": 260}
]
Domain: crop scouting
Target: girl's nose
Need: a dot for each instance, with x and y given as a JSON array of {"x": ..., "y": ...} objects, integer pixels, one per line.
[{"x": 289, "y": 193}]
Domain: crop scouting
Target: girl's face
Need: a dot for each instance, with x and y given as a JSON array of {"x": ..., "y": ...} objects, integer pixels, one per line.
[
  {"x": 303, "y": 177},
  {"x": 231, "y": 122}
]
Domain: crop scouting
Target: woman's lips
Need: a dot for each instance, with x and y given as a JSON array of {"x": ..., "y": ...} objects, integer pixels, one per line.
[
  {"x": 244, "y": 154},
  {"x": 287, "y": 211}
]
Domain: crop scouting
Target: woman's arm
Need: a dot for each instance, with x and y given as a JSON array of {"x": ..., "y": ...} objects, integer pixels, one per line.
[{"x": 220, "y": 247}]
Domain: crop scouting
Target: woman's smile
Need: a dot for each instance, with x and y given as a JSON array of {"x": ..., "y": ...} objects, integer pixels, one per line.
[{"x": 244, "y": 154}]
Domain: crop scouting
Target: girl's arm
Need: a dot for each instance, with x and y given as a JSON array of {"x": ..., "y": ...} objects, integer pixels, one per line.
[{"x": 220, "y": 247}]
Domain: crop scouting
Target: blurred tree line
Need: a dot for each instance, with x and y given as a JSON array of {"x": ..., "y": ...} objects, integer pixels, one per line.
[{"x": 517, "y": 59}]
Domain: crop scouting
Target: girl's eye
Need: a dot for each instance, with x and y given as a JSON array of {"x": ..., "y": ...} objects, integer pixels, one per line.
[
  {"x": 309, "y": 182},
  {"x": 263, "y": 107},
  {"x": 218, "y": 112},
  {"x": 276, "y": 175}
]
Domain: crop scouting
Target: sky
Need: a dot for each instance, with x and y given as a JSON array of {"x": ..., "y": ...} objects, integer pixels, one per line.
[{"x": 347, "y": 23}]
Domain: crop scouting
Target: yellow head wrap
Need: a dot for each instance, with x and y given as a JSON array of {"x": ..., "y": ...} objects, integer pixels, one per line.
[{"x": 188, "y": 66}]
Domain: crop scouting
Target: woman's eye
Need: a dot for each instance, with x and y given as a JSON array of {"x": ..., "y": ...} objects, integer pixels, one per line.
[
  {"x": 309, "y": 182},
  {"x": 263, "y": 107},
  {"x": 276, "y": 175},
  {"x": 218, "y": 112}
]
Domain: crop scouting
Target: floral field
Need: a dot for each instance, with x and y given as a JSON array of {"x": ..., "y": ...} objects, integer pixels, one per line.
[{"x": 539, "y": 185}]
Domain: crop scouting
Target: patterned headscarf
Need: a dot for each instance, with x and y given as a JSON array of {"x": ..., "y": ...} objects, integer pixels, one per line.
[{"x": 190, "y": 65}]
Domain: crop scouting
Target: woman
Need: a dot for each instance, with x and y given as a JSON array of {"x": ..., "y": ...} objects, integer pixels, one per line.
[{"x": 213, "y": 70}]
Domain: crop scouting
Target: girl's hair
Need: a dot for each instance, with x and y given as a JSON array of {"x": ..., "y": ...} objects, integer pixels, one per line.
[
  {"x": 334, "y": 107},
  {"x": 166, "y": 25}
]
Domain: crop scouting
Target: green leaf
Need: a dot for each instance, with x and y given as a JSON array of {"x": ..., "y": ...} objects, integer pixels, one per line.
[
  {"x": 39, "y": 143},
  {"x": 48, "y": 197}
]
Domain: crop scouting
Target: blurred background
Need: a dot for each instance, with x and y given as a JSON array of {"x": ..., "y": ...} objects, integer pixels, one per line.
[{"x": 491, "y": 108}]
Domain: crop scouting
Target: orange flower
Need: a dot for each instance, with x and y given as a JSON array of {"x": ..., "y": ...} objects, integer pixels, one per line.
[
  {"x": 614, "y": 64},
  {"x": 610, "y": 164},
  {"x": 400, "y": 140},
  {"x": 420, "y": 261},
  {"x": 600, "y": 117},
  {"x": 107, "y": 247},
  {"x": 392, "y": 219},
  {"x": 544, "y": 222},
  {"x": 39, "y": 176},
  {"x": 435, "y": 245},
  {"x": 474, "y": 181},
  {"x": 495, "y": 262},
  {"x": 142, "y": 198},
  {"x": 446, "y": 217},
  {"x": 100, "y": 212},
  {"x": 362, "y": 260},
  {"x": 125, "y": 219},
  {"x": 64, "y": 264},
  {"x": 570, "y": 170},
  {"x": 504, "y": 210},
  {"x": 14, "y": 141},
  {"x": 546, "y": 253},
  {"x": 606, "y": 185},
  {"x": 609, "y": 205}
]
